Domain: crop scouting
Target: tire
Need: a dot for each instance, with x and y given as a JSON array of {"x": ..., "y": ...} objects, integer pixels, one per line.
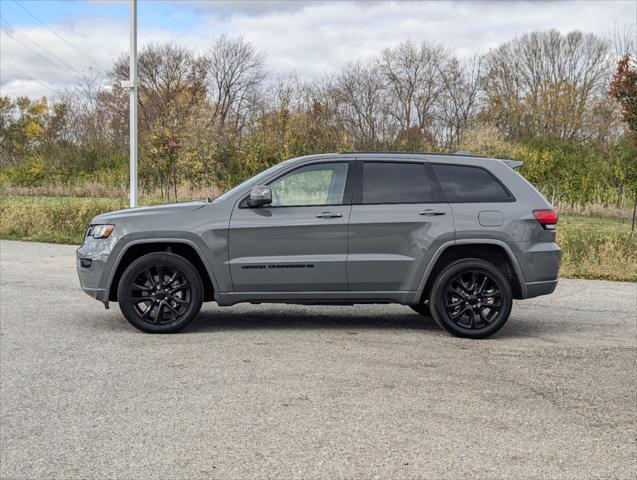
[
  {"x": 160, "y": 293},
  {"x": 461, "y": 295},
  {"x": 422, "y": 309}
]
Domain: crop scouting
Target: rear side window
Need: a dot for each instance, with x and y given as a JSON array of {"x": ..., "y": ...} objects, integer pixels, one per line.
[
  {"x": 393, "y": 182},
  {"x": 465, "y": 184}
]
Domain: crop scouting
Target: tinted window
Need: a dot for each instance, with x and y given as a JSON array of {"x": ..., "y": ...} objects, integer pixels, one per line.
[
  {"x": 319, "y": 184},
  {"x": 461, "y": 183},
  {"x": 394, "y": 182}
]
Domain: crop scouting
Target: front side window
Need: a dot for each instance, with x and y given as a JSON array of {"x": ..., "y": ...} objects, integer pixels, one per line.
[
  {"x": 465, "y": 184},
  {"x": 318, "y": 184},
  {"x": 394, "y": 182}
]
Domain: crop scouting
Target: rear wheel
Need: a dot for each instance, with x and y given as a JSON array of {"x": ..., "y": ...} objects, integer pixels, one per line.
[
  {"x": 471, "y": 298},
  {"x": 160, "y": 293}
]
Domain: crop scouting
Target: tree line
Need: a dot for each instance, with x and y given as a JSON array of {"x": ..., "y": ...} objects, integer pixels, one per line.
[{"x": 215, "y": 117}]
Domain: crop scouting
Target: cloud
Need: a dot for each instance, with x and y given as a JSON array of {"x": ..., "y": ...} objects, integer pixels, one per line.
[
  {"x": 245, "y": 7},
  {"x": 307, "y": 37}
]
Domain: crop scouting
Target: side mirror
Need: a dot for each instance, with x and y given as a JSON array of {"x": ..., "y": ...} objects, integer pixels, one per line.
[{"x": 260, "y": 195}]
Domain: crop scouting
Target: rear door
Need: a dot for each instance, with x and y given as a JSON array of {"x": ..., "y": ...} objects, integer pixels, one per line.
[
  {"x": 299, "y": 242},
  {"x": 397, "y": 223}
]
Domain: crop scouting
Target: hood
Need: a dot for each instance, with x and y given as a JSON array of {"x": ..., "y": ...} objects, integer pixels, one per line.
[{"x": 131, "y": 213}]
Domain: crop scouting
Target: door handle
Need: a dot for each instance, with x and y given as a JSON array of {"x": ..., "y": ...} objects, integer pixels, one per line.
[
  {"x": 431, "y": 212},
  {"x": 329, "y": 215}
]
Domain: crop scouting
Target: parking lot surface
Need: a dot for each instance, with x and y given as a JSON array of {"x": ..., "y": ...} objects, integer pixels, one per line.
[{"x": 275, "y": 391}]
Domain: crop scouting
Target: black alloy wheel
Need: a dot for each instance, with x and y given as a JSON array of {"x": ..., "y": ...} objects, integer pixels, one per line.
[
  {"x": 160, "y": 293},
  {"x": 472, "y": 298}
]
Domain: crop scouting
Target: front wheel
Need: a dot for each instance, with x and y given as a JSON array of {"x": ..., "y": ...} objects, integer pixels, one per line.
[
  {"x": 471, "y": 298},
  {"x": 160, "y": 293}
]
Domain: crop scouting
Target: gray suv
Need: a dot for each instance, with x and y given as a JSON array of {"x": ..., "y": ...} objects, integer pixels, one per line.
[{"x": 457, "y": 237}]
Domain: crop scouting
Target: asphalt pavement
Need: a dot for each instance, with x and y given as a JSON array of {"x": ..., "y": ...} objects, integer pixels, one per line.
[{"x": 275, "y": 391}]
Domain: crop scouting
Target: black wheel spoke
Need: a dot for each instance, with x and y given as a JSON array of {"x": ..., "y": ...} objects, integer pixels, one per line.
[
  {"x": 492, "y": 306},
  {"x": 460, "y": 312},
  {"x": 149, "y": 277},
  {"x": 473, "y": 281},
  {"x": 172, "y": 277},
  {"x": 482, "y": 284},
  {"x": 173, "y": 309},
  {"x": 143, "y": 288},
  {"x": 472, "y": 317},
  {"x": 147, "y": 311},
  {"x": 492, "y": 294},
  {"x": 178, "y": 287},
  {"x": 152, "y": 313},
  {"x": 160, "y": 312},
  {"x": 456, "y": 291},
  {"x": 455, "y": 304}
]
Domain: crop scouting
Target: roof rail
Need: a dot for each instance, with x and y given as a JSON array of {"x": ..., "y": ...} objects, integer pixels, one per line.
[
  {"x": 391, "y": 152},
  {"x": 511, "y": 163}
]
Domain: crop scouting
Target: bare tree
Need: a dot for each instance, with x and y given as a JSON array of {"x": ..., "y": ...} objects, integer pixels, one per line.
[
  {"x": 543, "y": 82},
  {"x": 87, "y": 114},
  {"x": 460, "y": 99},
  {"x": 624, "y": 41},
  {"x": 235, "y": 71},
  {"x": 413, "y": 75},
  {"x": 361, "y": 104},
  {"x": 172, "y": 82}
]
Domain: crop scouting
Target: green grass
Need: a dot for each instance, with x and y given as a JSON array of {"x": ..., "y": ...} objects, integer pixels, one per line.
[
  {"x": 51, "y": 219},
  {"x": 601, "y": 248},
  {"x": 597, "y": 248}
]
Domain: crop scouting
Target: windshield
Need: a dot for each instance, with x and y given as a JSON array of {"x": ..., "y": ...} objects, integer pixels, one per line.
[{"x": 250, "y": 181}]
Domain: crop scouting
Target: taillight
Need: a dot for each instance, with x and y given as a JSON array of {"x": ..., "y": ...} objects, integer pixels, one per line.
[{"x": 546, "y": 218}]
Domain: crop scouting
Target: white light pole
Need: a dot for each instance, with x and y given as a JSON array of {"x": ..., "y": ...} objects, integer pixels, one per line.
[{"x": 131, "y": 84}]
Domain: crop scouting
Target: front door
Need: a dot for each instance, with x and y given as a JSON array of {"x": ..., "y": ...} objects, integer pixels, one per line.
[
  {"x": 299, "y": 242},
  {"x": 396, "y": 226}
]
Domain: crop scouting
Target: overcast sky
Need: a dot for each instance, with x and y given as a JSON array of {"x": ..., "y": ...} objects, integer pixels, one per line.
[{"x": 47, "y": 44}]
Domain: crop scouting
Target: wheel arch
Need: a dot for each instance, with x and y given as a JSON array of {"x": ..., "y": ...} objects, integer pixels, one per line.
[
  {"x": 496, "y": 252},
  {"x": 182, "y": 247}
]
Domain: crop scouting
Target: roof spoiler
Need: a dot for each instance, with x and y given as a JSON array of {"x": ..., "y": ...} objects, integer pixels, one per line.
[{"x": 511, "y": 163}]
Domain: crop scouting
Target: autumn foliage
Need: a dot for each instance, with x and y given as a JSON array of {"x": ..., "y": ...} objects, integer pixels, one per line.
[{"x": 624, "y": 89}]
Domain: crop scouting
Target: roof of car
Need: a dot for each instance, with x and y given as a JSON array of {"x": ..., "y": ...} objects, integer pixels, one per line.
[{"x": 392, "y": 155}]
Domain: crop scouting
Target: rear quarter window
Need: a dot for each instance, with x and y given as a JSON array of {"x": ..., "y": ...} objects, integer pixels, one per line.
[{"x": 467, "y": 184}]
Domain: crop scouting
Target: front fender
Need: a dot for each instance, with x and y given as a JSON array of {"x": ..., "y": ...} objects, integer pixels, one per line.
[{"x": 129, "y": 240}]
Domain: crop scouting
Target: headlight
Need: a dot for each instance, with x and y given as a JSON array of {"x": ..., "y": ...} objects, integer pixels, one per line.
[{"x": 100, "y": 231}]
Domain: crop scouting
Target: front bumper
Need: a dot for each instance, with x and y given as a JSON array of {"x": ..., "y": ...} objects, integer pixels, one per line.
[{"x": 91, "y": 260}]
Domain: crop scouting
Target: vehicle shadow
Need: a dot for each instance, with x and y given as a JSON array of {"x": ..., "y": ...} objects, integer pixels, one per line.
[
  {"x": 349, "y": 319},
  {"x": 337, "y": 318}
]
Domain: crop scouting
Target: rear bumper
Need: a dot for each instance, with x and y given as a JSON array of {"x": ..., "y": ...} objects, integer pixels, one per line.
[
  {"x": 540, "y": 265},
  {"x": 535, "y": 289}
]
